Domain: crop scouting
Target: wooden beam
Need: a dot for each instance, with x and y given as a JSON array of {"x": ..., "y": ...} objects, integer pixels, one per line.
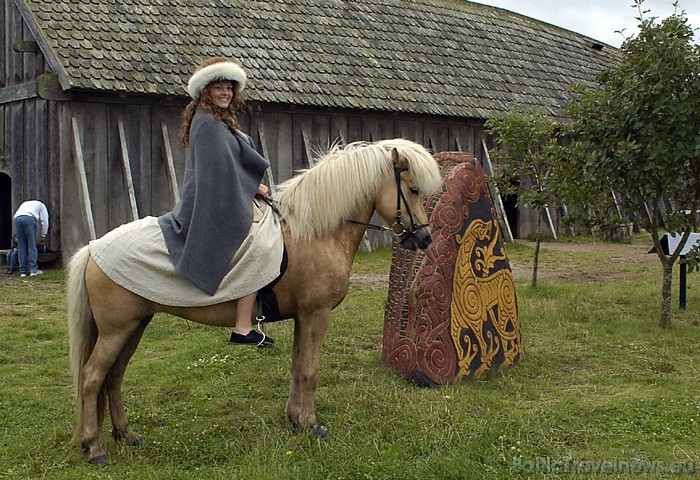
[
  {"x": 26, "y": 46},
  {"x": 307, "y": 147},
  {"x": 565, "y": 213},
  {"x": 550, "y": 223},
  {"x": 83, "y": 191},
  {"x": 496, "y": 195},
  {"x": 366, "y": 247},
  {"x": 49, "y": 88},
  {"x": 265, "y": 154},
  {"x": 127, "y": 171},
  {"x": 38, "y": 35},
  {"x": 19, "y": 92},
  {"x": 171, "y": 163}
]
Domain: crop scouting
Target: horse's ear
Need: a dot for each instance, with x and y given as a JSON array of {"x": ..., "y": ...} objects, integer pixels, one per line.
[{"x": 395, "y": 156}]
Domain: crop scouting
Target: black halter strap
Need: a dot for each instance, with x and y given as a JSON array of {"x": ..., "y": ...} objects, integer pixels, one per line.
[{"x": 398, "y": 229}]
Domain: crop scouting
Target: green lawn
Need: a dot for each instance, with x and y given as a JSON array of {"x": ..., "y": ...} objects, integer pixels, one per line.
[{"x": 601, "y": 389}]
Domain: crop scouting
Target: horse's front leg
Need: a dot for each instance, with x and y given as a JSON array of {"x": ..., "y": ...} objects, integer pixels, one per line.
[{"x": 309, "y": 332}]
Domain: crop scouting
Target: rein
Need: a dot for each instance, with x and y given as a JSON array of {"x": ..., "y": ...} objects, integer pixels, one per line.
[{"x": 398, "y": 229}]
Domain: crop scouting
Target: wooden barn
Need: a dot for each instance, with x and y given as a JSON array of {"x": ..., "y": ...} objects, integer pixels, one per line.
[{"x": 91, "y": 91}]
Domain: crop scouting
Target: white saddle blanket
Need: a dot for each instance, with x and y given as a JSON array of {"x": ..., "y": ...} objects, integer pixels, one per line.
[{"x": 135, "y": 256}]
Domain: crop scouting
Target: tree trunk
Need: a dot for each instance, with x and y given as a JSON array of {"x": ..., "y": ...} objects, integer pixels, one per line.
[
  {"x": 535, "y": 261},
  {"x": 666, "y": 295}
]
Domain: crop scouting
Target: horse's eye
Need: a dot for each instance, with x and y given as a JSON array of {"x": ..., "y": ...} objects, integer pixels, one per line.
[{"x": 414, "y": 190}]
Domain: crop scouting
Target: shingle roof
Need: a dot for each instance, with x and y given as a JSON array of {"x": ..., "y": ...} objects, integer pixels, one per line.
[{"x": 442, "y": 57}]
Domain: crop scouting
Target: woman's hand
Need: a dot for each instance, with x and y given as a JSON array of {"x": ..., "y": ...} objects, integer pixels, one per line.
[{"x": 263, "y": 191}]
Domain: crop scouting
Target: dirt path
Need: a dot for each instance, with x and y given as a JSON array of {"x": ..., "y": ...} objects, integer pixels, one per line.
[{"x": 617, "y": 255}]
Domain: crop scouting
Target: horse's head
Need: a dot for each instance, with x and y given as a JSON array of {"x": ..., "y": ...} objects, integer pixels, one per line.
[{"x": 399, "y": 203}]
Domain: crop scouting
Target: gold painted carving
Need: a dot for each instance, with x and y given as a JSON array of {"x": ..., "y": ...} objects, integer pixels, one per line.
[{"x": 484, "y": 318}]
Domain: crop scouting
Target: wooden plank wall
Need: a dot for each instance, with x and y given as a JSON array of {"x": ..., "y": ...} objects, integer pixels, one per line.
[
  {"x": 161, "y": 194},
  {"x": 33, "y": 150},
  {"x": 289, "y": 134},
  {"x": 292, "y": 128},
  {"x": 36, "y": 138},
  {"x": 286, "y": 147},
  {"x": 104, "y": 167},
  {"x": 28, "y": 136}
]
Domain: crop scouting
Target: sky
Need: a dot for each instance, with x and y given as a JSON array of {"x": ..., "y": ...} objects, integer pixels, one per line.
[{"x": 598, "y": 19}]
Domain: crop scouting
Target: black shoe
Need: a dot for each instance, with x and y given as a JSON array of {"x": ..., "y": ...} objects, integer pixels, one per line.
[{"x": 252, "y": 338}]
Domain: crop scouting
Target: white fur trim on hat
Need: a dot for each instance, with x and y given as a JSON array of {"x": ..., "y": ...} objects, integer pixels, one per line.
[{"x": 215, "y": 73}]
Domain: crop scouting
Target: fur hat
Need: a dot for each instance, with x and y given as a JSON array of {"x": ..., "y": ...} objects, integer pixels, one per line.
[{"x": 214, "y": 70}]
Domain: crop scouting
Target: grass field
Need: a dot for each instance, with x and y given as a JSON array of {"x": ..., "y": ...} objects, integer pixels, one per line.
[{"x": 601, "y": 389}]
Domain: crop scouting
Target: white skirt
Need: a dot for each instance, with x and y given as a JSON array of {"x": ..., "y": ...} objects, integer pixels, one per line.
[{"x": 135, "y": 256}]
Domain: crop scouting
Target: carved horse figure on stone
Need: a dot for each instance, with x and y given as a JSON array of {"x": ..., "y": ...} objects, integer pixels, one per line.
[
  {"x": 325, "y": 211},
  {"x": 482, "y": 297}
]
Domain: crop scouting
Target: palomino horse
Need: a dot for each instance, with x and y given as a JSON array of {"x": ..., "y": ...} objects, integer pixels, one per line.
[{"x": 325, "y": 211}]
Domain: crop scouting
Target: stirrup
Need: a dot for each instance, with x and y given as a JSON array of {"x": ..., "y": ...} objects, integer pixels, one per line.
[{"x": 260, "y": 319}]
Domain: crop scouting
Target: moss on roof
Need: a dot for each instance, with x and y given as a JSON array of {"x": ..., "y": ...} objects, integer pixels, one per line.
[{"x": 440, "y": 57}]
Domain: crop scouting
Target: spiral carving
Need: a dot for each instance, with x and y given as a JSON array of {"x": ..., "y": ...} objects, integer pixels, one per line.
[{"x": 452, "y": 308}]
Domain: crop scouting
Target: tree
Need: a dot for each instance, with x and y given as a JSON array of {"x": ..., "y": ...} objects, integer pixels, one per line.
[
  {"x": 528, "y": 150},
  {"x": 639, "y": 133}
]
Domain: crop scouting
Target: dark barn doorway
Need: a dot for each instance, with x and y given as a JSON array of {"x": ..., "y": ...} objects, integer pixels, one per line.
[
  {"x": 5, "y": 210},
  {"x": 510, "y": 205}
]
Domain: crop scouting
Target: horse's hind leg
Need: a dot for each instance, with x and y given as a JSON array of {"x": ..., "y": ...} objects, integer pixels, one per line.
[
  {"x": 113, "y": 382},
  {"x": 105, "y": 353}
]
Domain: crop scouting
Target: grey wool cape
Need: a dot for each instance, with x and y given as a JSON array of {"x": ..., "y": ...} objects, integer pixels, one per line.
[{"x": 207, "y": 226}]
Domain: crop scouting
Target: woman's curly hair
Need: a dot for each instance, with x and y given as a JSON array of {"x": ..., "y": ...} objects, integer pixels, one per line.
[{"x": 227, "y": 115}]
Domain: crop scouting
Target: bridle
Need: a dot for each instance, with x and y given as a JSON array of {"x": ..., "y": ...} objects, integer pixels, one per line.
[{"x": 398, "y": 229}]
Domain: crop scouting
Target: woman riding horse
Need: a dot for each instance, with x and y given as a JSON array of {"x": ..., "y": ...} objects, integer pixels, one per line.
[
  {"x": 325, "y": 212},
  {"x": 222, "y": 177}
]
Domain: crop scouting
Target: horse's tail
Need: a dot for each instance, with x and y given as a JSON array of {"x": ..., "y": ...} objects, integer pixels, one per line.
[{"x": 82, "y": 333}]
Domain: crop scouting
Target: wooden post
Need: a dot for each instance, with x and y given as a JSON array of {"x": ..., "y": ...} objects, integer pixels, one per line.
[
  {"x": 83, "y": 191},
  {"x": 263, "y": 146},
  {"x": 496, "y": 195},
  {"x": 670, "y": 244},
  {"x": 171, "y": 163},
  {"x": 127, "y": 171},
  {"x": 342, "y": 137},
  {"x": 550, "y": 223},
  {"x": 682, "y": 283},
  {"x": 307, "y": 146}
]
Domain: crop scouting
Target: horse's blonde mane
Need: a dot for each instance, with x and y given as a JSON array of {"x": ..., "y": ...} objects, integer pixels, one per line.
[{"x": 318, "y": 199}]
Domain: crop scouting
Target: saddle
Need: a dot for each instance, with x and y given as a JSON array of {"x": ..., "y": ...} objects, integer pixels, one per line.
[{"x": 267, "y": 301}]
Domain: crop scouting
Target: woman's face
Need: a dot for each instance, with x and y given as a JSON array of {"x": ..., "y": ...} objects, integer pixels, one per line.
[{"x": 221, "y": 93}]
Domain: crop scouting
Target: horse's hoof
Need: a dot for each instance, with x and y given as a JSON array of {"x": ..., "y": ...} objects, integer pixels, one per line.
[
  {"x": 99, "y": 461},
  {"x": 132, "y": 439},
  {"x": 321, "y": 433}
]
